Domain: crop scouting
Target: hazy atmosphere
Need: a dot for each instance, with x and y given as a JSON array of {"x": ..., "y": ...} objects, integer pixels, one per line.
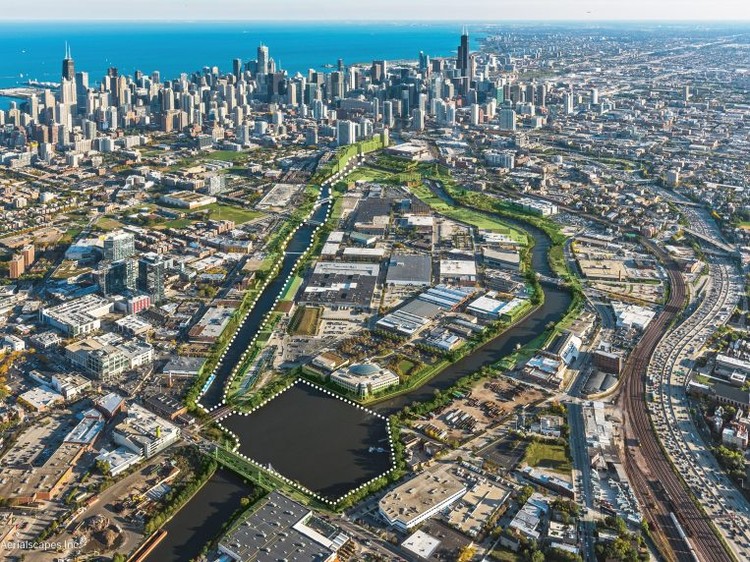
[{"x": 420, "y": 10}]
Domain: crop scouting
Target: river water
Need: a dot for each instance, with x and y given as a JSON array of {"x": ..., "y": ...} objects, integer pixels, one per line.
[
  {"x": 201, "y": 519},
  {"x": 556, "y": 303},
  {"x": 316, "y": 439}
]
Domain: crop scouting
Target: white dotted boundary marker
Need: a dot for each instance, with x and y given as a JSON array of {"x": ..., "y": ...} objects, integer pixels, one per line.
[
  {"x": 283, "y": 478},
  {"x": 267, "y": 316},
  {"x": 233, "y": 373},
  {"x": 271, "y": 471},
  {"x": 263, "y": 324},
  {"x": 370, "y": 412}
]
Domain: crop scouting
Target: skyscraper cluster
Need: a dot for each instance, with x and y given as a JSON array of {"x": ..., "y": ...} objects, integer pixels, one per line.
[{"x": 259, "y": 102}]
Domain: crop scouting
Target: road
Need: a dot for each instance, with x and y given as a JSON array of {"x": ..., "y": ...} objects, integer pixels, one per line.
[
  {"x": 582, "y": 474},
  {"x": 371, "y": 541}
]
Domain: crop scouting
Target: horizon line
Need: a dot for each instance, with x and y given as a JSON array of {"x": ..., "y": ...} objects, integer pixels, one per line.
[{"x": 371, "y": 21}]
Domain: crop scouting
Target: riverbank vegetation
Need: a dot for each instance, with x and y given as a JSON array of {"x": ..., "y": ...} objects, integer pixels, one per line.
[
  {"x": 475, "y": 209},
  {"x": 181, "y": 494}
]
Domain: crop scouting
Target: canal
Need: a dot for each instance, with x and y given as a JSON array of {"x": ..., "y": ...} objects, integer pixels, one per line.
[
  {"x": 300, "y": 241},
  {"x": 201, "y": 519}
]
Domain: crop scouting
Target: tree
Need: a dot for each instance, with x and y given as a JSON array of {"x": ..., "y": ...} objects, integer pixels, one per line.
[
  {"x": 563, "y": 505},
  {"x": 559, "y": 555},
  {"x": 621, "y": 549},
  {"x": 729, "y": 413},
  {"x": 103, "y": 467},
  {"x": 525, "y": 494},
  {"x": 537, "y": 556},
  {"x": 467, "y": 552},
  {"x": 732, "y": 460}
]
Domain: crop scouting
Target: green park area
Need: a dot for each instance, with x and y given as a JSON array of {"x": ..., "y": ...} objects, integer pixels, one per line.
[
  {"x": 410, "y": 173},
  {"x": 465, "y": 214},
  {"x": 226, "y": 155},
  {"x": 220, "y": 211},
  {"x": 291, "y": 288},
  {"x": 214, "y": 211},
  {"x": 107, "y": 224},
  {"x": 368, "y": 174}
]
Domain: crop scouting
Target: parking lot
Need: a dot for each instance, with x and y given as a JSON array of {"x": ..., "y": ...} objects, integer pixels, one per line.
[{"x": 505, "y": 453}]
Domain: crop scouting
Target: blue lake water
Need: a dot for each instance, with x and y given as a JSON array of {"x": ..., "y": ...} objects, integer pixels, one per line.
[{"x": 35, "y": 50}]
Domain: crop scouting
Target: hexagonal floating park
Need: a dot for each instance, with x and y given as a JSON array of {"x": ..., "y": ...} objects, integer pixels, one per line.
[{"x": 307, "y": 434}]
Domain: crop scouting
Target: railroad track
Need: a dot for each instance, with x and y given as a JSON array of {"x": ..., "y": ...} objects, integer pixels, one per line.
[{"x": 659, "y": 488}]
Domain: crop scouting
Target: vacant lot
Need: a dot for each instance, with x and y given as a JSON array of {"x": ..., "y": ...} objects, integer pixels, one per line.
[
  {"x": 218, "y": 212},
  {"x": 550, "y": 456},
  {"x": 504, "y": 555},
  {"x": 214, "y": 211},
  {"x": 227, "y": 155},
  {"x": 305, "y": 321},
  {"x": 106, "y": 223}
]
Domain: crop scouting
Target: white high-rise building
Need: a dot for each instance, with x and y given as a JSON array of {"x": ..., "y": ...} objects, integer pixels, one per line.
[
  {"x": 475, "y": 114},
  {"x": 417, "y": 120},
  {"x": 388, "y": 120},
  {"x": 262, "y": 59},
  {"x": 450, "y": 115},
  {"x": 346, "y": 132},
  {"x": 568, "y": 103}
]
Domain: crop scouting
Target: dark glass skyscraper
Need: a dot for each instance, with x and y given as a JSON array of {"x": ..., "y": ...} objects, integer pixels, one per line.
[
  {"x": 151, "y": 276},
  {"x": 462, "y": 63},
  {"x": 68, "y": 68}
]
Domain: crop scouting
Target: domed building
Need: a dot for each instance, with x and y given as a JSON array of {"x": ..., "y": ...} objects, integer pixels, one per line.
[{"x": 364, "y": 379}]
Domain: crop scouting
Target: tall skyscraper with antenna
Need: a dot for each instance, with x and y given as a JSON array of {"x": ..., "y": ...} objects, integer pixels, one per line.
[
  {"x": 68, "y": 96},
  {"x": 68, "y": 68},
  {"x": 462, "y": 62}
]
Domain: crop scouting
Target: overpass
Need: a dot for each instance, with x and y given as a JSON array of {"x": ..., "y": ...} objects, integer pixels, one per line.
[{"x": 717, "y": 244}]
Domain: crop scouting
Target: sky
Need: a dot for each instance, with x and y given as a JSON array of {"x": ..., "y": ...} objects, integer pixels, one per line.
[{"x": 382, "y": 10}]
